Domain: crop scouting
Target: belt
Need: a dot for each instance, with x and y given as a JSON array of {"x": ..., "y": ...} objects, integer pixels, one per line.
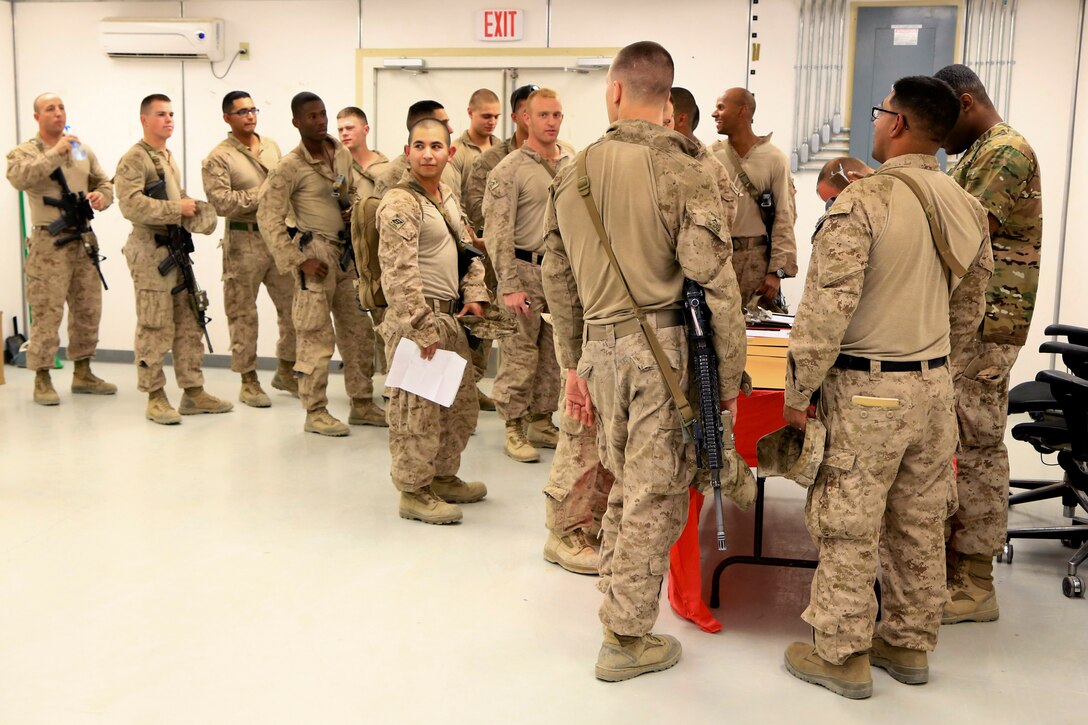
[
  {"x": 45, "y": 228},
  {"x": 661, "y": 319},
  {"x": 526, "y": 256},
  {"x": 888, "y": 366},
  {"x": 242, "y": 226},
  {"x": 448, "y": 307},
  {"x": 749, "y": 242}
]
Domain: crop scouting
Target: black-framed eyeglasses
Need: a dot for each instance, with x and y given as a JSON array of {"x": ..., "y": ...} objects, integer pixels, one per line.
[
  {"x": 877, "y": 110},
  {"x": 243, "y": 112}
]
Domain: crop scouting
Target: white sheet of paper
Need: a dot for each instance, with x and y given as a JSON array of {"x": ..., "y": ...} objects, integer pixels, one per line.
[{"x": 436, "y": 379}]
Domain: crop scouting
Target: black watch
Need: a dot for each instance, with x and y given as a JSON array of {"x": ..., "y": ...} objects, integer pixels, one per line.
[{"x": 780, "y": 273}]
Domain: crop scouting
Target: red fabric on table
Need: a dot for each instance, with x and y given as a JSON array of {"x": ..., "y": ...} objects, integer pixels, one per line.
[{"x": 757, "y": 415}]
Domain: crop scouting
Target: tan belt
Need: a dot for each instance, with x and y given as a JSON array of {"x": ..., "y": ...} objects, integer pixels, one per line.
[
  {"x": 661, "y": 319},
  {"x": 448, "y": 307},
  {"x": 749, "y": 242}
]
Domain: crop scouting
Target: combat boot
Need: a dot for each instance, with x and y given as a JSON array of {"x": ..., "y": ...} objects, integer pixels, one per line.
[
  {"x": 540, "y": 430},
  {"x": 423, "y": 505},
  {"x": 84, "y": 382},
  {"x": 909, "y": 666},
  {"x": 852, "y": 679},
  {"x": 196, "y": 401},
  {"x": 252, "y": 394},
  {"x": 159, "y": 409},
  {"x": 285, "y": 379},
  {"x": 971, "y": 597},
  {"x": 319, "y": 421},
  {"x": 622, "y": 657},
  {"x": 573, "y": 553},
  {"x": 517, "y": 445},
  {"x": 365, "y": 411},
  {"x": 452, "y": 489},
  {"x": 486, "y": 403},
  {"x": 44, "y": 393}
]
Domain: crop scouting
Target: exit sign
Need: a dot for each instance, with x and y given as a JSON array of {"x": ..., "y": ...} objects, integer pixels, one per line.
[{"x": 492, "y": 25}]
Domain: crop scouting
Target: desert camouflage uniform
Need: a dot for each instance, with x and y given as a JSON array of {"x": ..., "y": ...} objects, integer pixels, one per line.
[
  {"x": 1001, "y": 171},
  {"x": 467, "y": 153},
  {"x": 418, "y": 257},
  {"x": 876, "y": 289},
  {"x": 56, "y": 275},
  {"x": 660, "y": 208},
  {"x": 303, "y": 185},
  {"x": 164, "y": 321},
  {"x": 232, "y": 176}
]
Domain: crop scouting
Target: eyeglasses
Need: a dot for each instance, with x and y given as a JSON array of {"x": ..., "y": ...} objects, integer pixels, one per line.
[
  {"x": 877, "y": 110},
  {"x": 243, "y": 112}
]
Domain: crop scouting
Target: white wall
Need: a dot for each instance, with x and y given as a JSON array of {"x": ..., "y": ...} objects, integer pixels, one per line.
[{"x": 11, "y": 270}]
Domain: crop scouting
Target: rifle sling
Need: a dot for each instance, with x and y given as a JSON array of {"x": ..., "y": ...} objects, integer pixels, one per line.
[
  {"x": 748, "y": 185},
  {"x": 939, "y": 240},
  {"x": 687, "y": 413}
]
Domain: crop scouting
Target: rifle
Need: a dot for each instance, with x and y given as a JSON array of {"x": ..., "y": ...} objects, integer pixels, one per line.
[
  {"x": 179, "y": 244},
  {"x": 709, "y": 425},
  {"x": 75, "y": 213}
]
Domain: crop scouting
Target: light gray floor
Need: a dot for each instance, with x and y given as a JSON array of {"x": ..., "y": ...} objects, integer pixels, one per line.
[{"x": 235, "y": 570}]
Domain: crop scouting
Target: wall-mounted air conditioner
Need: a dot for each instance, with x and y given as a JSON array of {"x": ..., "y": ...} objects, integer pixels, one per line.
[{"x": 180, "y": 38}]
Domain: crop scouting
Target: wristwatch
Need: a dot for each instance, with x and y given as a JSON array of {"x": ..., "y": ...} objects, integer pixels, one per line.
[{"x": 780, "y": 273}]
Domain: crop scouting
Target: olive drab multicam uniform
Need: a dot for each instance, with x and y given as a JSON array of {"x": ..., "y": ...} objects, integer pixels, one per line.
[
  {"x": 754, "y": 256},
  {"x": 872, "y": 333},
  {"x": 418, "y": 257},
  {"x": 303, "y": 185},
  {"x": 1001, "y": 171},
  {"x": 660, "y": 207},
  {"x": 164, "y": 321},
  {"x": 58, "y": 275},
  {"x": 233, "y": 175}
]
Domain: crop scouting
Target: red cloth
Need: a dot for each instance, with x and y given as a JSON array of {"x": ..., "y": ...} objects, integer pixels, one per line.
[{"x": 757, "y": 415}]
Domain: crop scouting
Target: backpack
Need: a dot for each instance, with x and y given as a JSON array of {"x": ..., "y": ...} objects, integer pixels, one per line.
[{"x": 364, "y": 240}]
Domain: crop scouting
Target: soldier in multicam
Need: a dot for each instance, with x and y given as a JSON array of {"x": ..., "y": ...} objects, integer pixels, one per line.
[
  {"x": 164, "y": 321},
  {"x": 761, "y": 262},
  {"x": 420, "y": 234},
  {"x": 998, "y": 167},
  {"x": 56, "y": 275},
  {"x": 659, "y": 208},
  {"x": 527, "y": 384},
  {"x": 872, "y": 334},
  {"x": 313, "y": 182},
  {"x": 233, "y": 173},
  {"x": 484, "y": 113}
]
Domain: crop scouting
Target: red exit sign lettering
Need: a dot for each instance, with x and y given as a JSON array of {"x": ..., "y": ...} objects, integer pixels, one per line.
[{"x": 492, "y": 25}]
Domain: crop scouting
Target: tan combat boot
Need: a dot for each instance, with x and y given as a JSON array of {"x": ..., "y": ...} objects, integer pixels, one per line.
[
  {"x": 486, "y": 403},
  {"x": 423, "y": 505},
  {"x": 252, "y": 394},
  {"x": 540, "y": 430},
  {"x": 159, "y": 409},
  {"x": 622, "y": 657},
  {"x": 452, "y": 489},
  {"x": 971, "y": 595},
  {"x": 573, "y": 553},
  {"x": 319, "y": 421},
  {"x": 909, "y": 666},
  {"x": 852, "y": 679},
  {"x": 365, "y": 411},
  {"x": 517, "y": 445},
  {"x": 196, "y": 401},
  {"x": 285, "y": 379},
  {"x": 44, "y": 393},
  {"x": 84, "y": 382}
]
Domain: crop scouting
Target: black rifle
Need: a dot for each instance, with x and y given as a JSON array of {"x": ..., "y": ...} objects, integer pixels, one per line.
[
  {"x": 340, "y": 193},
  {"x": 75, "y": 214},
  {"x": 179, "y": 245},
  {"x": 709, "y": 427}
]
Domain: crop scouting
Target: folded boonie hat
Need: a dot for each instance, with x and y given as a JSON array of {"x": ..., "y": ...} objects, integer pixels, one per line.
[
  {"x": 494, "y": 325},
  {"x": 793, "y": 454},
  {"x": 737, "y": 480},
  {"x": 203, "y": 222}
]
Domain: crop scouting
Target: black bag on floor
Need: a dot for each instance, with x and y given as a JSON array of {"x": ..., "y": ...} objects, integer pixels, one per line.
[{"x": 12, "y": 343}]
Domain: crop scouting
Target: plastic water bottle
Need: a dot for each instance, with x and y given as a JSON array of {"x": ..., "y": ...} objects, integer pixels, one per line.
[{"x": 78, "y": 152}]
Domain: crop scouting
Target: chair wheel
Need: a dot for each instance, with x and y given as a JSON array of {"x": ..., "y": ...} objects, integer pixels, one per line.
[
  {"x": 1006, "y": 553},
  {"x": 1073, "y": 586},
  {"x": 1070, "y": 543}
]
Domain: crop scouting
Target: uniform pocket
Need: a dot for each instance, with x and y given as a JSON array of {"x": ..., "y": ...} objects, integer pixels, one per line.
[
  {"x": 310, "y": 310},
  {"x": 152, "y": 308},
  {"x": 835, "y": 507}
]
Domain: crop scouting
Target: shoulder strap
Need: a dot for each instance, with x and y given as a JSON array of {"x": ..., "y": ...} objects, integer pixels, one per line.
[
  {"x": 154, "y": 159},
  {"x": 939, "y": 241},
  {"x": 741, "y": 174},
  {"x": 687, "y": 413},
  {"x": 547, "y": 167}
]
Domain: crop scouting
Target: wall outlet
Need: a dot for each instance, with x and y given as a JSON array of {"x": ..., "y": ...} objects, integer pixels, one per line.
[{"x": 243, "y": 50}]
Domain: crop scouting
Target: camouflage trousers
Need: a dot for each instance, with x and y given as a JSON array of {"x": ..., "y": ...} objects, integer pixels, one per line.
[
  {"x": 750, "y": 265},
  {"x": 640, "y": 441},
  {"x": 381, "y": 365},
  {"x": 528, "y": 377},
  {"x": 881, "y": 497},
  {"x": 247, "y": 264},
  {"x": 425, "y": 439},
  {"x": 164, "y": 321},
  {"x": 55, "y": 276},
  {"x": 982, "y": 402},
  {"x": 327, "y": 316}
]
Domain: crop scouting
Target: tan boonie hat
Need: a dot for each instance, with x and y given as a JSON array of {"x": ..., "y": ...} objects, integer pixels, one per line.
[
  {"x": 793, "y": 454},
  {"x": 738, "y": 481},
  {"x": 203, "y": 222},
  {"x": 494, "y": 325}
]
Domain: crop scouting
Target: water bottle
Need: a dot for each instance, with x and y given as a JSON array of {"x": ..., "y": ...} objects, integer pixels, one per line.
[{"x": 78, "y": 152}]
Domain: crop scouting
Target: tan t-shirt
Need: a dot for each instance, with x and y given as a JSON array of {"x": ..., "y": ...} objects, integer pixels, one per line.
[{"x": 30, "y": 165}]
